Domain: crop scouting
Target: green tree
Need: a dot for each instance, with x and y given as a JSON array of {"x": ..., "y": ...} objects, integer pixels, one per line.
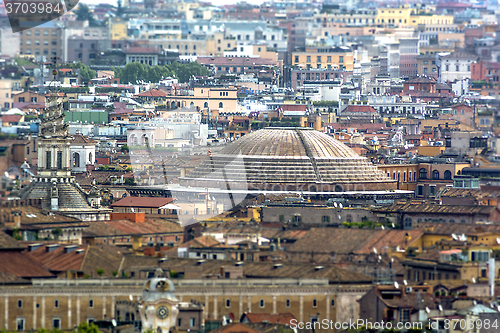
[
  {"x": 83, "y": 14},
  {"x": 57, "y": 232},
  {"x": 87, "y": 328},
  {"x": 100, "y": 271},
  {"x": 119, "y": 8},
  {"x": 135, "y": 71},
  {"x": 125, "y": 148}
]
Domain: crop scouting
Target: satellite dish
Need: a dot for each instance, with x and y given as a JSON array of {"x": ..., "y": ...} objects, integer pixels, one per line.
[
  {"x": 393, "y": 226},
  {"x": 427, "y": 310},
  {"x": 131, "y": 297},
  {"x": 113, "y": 321},
  {"x": 340, "y": 217},
  {"x": 335, "y": 204},
  {"x": 396, "y": 285},
  {"x": 473, "y": 280},
  {"x": 132, "y": 209},
  {"x": 475, "y": 302},
  {"x": 374, "y": 250},
  {"x": 405, "y": 282},
  {"x": 340, "y": 204},
  {"x": 440, "y": 307},
  {"x": 498, "y": 240},
  {"x": 454, "y": 236},
  {"x": 383, "y": 228}
]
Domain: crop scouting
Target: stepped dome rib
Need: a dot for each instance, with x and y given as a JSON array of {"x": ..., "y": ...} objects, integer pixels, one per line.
[{"x": 288, "y": 159}]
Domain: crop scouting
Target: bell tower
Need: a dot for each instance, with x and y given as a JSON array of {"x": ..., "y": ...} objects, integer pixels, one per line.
[
  {"x": 158, "y": 304},
  {"x": 54, "y": 143}
]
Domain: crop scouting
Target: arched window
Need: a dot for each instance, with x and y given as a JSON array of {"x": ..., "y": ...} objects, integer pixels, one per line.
[
  {"x": 447, "y": 175},
  {"x": 221, "y": 105},
  {"x": 422, "y": 173},
  {"x": 90, "y": 158},
  {"x": 408, "y": 223},
  {"x": 191, "y": 105},
  {"x": 76, "y": 160},
  {"x": 348, "y": 218},
  {"x": 435, "y": 174},
  {"x": 205, "y": 105}
]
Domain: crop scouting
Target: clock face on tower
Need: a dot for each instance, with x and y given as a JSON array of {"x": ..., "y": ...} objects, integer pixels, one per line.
[{"x": 162, "y": 312}]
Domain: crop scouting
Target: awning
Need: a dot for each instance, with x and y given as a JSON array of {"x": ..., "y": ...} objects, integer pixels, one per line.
[{"x": 170, "y": 206}]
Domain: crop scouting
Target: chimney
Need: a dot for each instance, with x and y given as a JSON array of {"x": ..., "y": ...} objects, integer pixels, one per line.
[{"x": 17, "y": 221}]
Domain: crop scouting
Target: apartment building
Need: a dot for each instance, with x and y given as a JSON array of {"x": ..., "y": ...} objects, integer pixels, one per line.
[
  {"x": 44, "y": 40},
  {"x": 324, "y": 58}
]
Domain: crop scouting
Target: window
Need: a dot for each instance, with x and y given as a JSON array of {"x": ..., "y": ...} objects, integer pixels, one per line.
[
  {"x": 325, "y": 219},
  {"x": 262, "y": 304},
  {"x": 91, "y": 303},
  {"x": 422, "y": 173},
  {"x": 318, "y": 59},
  {"x": 435, "y": 174},
  {"x": 192, "y": 322},
  {"x": 20, "y": 324},
  {"x": 432, "y": 190},
  {"x": 37, "y": 32},
  {"x": 420, "y": 190},
  {"x": 447, "y": 175},
  {"x": 59, "y": 160},
  {"x": 221, "y": 105},
  {"x": 228, "y": 303},
  {"x": 56, "y": 323},
  {"x": 315, "y": 303},
  {"x": 56, "y": 303},
  {"x": 179, "y": 322},
  {"x": 329, "y": 59},
  {"x": 308, "y": 59},
  {"x": 287, "y": 303},
  {"x": 405, "y": 315},
  {"x": 297, "y": 218},
  {"x": 19, "y": 303},
  {"x": 296, "y": 58},
  {"x": 48, "y": 162},
  {"x": 333, "y": 302},
  {"x": 341, "y": 59}
]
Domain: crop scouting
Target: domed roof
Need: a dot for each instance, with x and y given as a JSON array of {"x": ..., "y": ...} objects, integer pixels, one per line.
[
  {"x": 289, "y": 143},
  {"x": 288, "y": 159}
]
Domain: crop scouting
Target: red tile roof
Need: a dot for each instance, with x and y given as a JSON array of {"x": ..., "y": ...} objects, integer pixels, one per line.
[
  {"x": 292, "y": 107},
  {"x": 234, "y": 61},
  {"x": 360, "y": 108},
  {"x": 143, "y": 202},
  {"x": 59, "y": 259},
  {"x": 11, "y": 118},
  {"x": 153, "y": 93},
  {"x": 21, "y": 265},
  {"x": 273, "y": 318},
  {"x": 78, "y": 138}
]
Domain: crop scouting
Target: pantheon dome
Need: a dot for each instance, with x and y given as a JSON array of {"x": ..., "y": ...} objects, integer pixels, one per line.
[{"x": 288, "y": 159}]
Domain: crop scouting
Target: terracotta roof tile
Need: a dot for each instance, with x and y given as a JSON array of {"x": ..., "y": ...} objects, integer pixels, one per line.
[{"x": 143, "y": 202}]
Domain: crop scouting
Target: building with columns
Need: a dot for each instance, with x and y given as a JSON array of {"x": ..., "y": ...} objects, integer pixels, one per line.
[
  {"x": 53, "y": 182},
  {"x": 60, "y": 303}
]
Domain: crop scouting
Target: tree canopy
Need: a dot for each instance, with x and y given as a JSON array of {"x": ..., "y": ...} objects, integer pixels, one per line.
[
  {"x": 83, "y": 14},
  {"x": 135, "y": 71},
  {"x": 86, "y": 73}
]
